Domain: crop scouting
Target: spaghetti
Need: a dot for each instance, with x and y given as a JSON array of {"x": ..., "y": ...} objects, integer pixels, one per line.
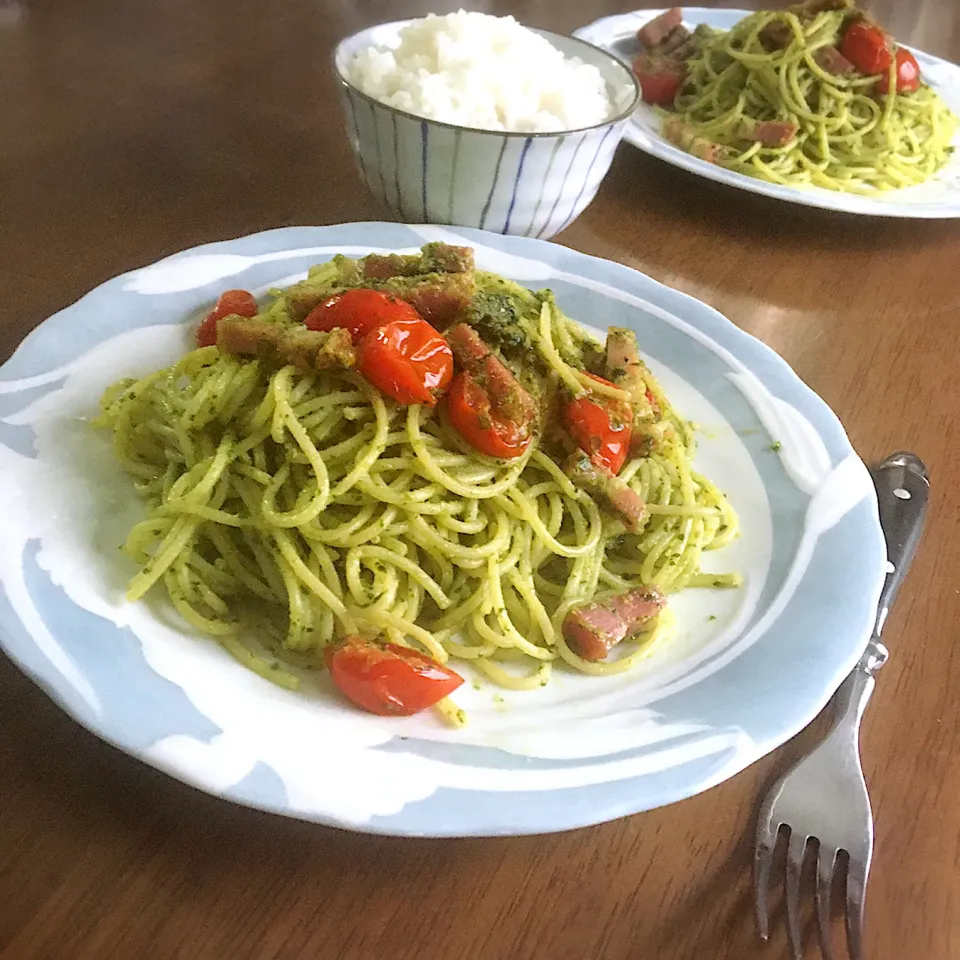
[
  {"x": 295, "y": 507},
  {"x": 785, "y": 67}
]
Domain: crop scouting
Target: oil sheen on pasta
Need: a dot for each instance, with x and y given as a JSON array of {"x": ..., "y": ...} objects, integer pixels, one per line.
[{"x": 287, "y": 509}]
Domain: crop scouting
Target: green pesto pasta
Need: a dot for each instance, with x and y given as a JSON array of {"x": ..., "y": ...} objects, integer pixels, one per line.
[
  {"x": 296, "y": 507},
  {"x": 848, "y": 137}
]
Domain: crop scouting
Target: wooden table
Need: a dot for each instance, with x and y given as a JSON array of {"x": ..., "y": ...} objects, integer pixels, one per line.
[{"x": 132, "y": 130}]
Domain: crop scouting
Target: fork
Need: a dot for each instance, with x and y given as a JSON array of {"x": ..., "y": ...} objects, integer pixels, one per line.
[{"x": 823, "y": 797}]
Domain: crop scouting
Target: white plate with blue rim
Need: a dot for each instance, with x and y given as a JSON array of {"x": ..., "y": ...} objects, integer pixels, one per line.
[
  {"x": 938, "y": 198},
  {"x": 745, "y": 671}
]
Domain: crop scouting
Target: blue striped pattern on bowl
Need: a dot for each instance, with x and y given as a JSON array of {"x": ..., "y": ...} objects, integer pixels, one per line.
[{"x": 430, "y": 172}]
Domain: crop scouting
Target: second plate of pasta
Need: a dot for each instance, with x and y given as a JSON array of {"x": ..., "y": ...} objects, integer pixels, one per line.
[{"x": 847, "y": 153}]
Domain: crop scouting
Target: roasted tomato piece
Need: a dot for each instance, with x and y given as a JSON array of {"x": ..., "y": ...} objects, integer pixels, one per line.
[
  {"x": 476, "y": 420},
  {"x": 601, "y": 426},
  {"x": 360, "y": 312},
  {"x": 388, "y": 680},
  {"x": 408, "y": 360},
  {"x": 238, "y": 303}
]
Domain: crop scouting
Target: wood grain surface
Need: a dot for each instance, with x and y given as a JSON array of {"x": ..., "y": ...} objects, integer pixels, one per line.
[{"x": 130, "y": 130}]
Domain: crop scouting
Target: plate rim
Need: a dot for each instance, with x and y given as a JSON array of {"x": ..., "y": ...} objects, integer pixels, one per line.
[{"x": 383, "y": 824}]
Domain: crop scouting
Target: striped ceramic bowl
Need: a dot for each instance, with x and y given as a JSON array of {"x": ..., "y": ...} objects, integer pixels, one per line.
[{"x": 532, "y": 184}]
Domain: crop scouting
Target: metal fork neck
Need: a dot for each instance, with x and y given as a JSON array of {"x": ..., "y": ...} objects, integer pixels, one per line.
[
  {"x": 854, "y": 694},
  {"x": 903, "y": 490}
]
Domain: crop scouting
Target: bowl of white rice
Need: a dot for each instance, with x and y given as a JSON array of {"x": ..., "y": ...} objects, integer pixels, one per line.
[{"x": 475, "y": 120}]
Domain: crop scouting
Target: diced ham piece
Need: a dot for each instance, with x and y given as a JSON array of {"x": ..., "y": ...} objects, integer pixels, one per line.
[
  {"x": 832, "y": 60},
  {"x": 652, "y": 34},
  {"x": 624, "y": 368},
  {"x": 771, "y": 133},
  {"x": 623, "y": 365},
  {"x": 683, "y": 135},
  {"x": 446, "y": 258},
  {"x": 305, "y": 349},
  {"x": 617, "y": 495},
  {"x": 776, "y": 35},
  {"x": 434, "y": 258},
  {"x": 707, "y": 150},
  {"x": 678, "y": 44},
  {"x": 469, "y": 349},
  {"x": 508, "y": 397},
  {"x": 441, "y": 300},
  {"x": 678, "y": 132},
  {"x": 594, "y": 629},
  {"x": 382, "y": 267}
]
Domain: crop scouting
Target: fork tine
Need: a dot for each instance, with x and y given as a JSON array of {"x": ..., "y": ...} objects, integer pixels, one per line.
[
  {"x": 826, "y": 858},
  {"x": 762, "y": 861},
  {"x": 795, "y": 851},
  {"x": 856, "y": 893}
]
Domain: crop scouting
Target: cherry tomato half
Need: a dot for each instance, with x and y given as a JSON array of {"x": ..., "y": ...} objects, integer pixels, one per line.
[
  {"x": 602, "y": 427},
  {"x": 474, "y": 418},
  {"x": 388, "y": 680},
  {"x": 408, "y": 360},
  {"x": 230, "y": 303},
  {"x": 660, "y": 80},
  {"x": 868, "y": 47},
  {"x": 360, "y": 312},
  {"x": 908, "y": 74}
]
